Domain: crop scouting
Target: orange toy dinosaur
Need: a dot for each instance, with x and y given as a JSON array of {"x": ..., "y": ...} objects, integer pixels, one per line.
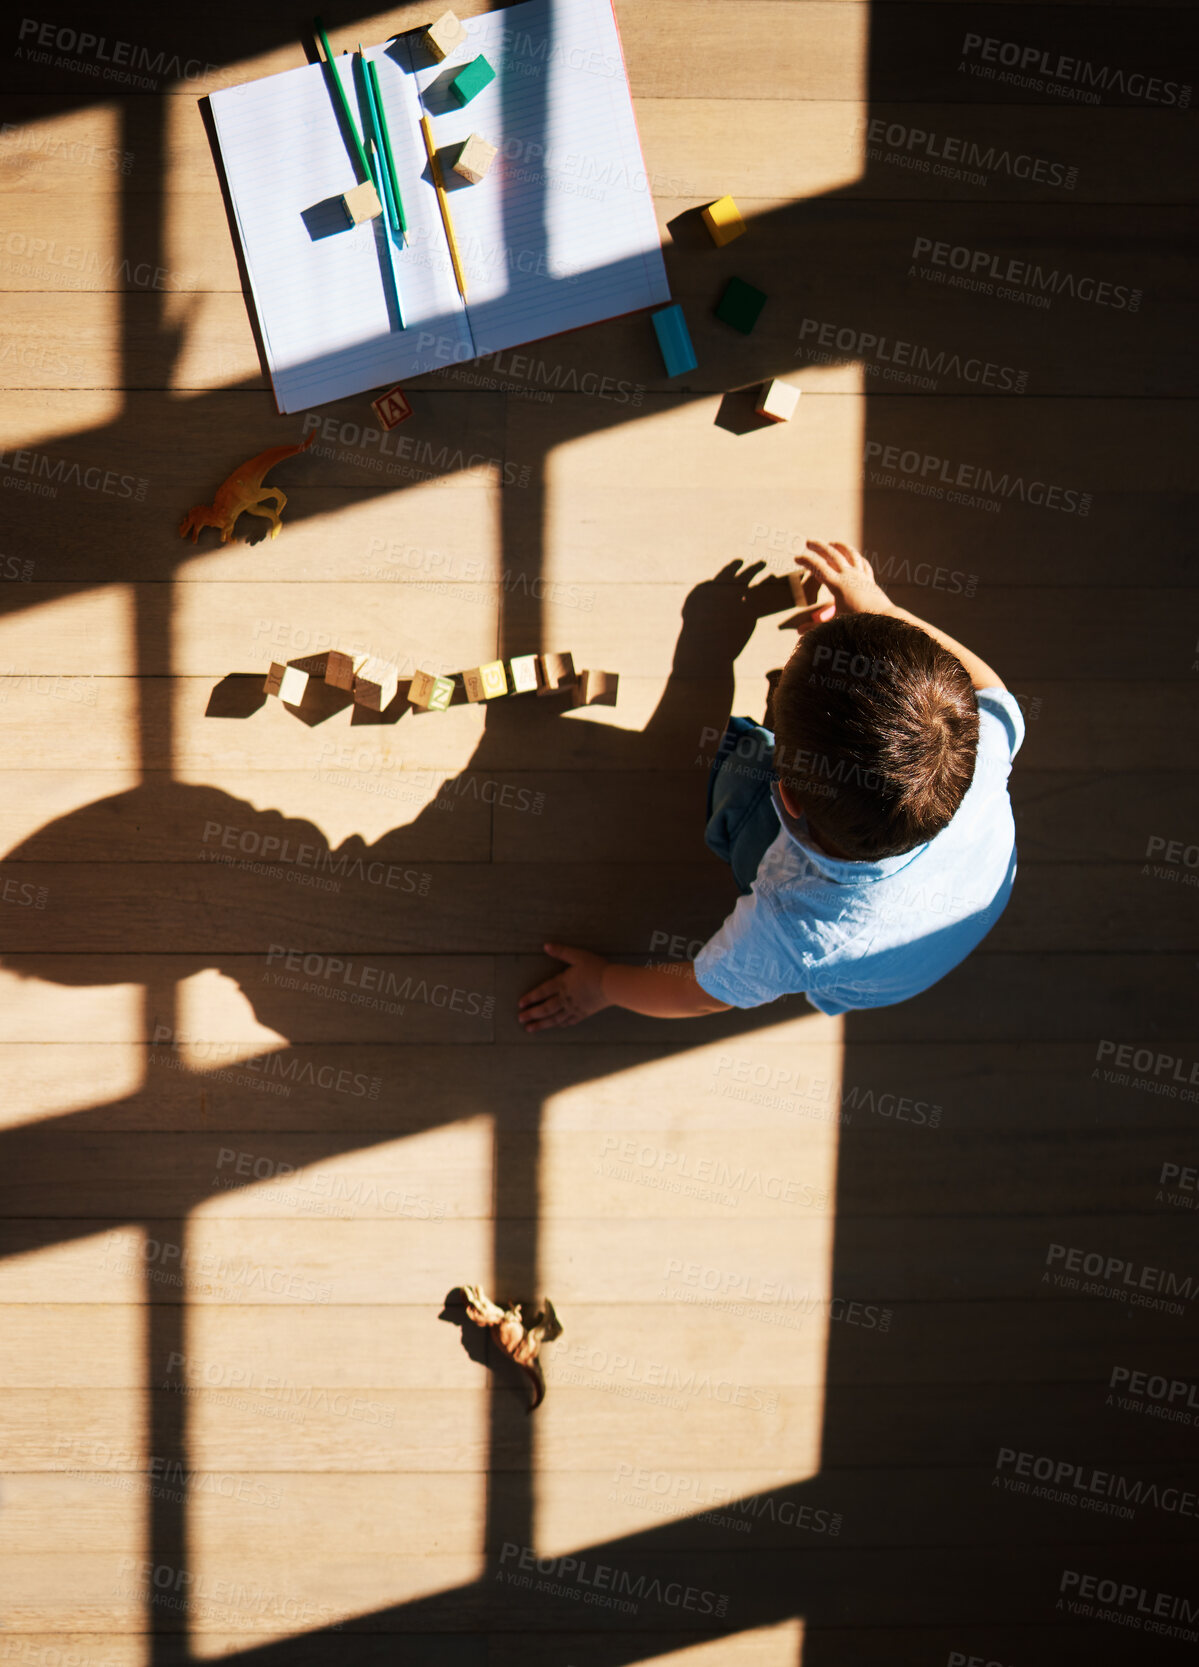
[
  {"x": 519, "y": 1343},
  {"x": 243, "y": 494}
]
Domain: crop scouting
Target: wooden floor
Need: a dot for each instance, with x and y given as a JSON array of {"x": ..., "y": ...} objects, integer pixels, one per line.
[{"x": 267, "y": 1106}]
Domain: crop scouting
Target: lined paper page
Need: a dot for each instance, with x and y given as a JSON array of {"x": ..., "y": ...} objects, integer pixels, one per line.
[
  {"x": 562, "y": 231},
  {"x": 323, "y": 302}
]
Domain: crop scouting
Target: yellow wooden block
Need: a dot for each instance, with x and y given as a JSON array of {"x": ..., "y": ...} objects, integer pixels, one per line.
[
  {"x": 485, "y": 682},
  {"x": 723, "y": 220}
]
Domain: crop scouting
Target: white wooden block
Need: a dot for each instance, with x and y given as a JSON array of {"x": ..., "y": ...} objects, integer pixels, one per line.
[
  {"x": 778, "y": 401},
  {"x": 287, "y": 682},
  {"x": 522, "y": 674},
  {"x": 375, "y": 684},
  {"x": 444, "y": 36}
]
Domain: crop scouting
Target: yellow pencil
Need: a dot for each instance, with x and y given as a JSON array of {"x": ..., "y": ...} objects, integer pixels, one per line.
[{"x": 443, "y": 204}]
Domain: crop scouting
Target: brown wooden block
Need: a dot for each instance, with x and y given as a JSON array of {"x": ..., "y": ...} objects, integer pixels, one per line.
[
  {"x": 596, "y": 688},
  {"x": 375, "y": 683},
  {"x": 444, "y": 36},
  {"x": 287, "y": 682},
  {"x": 485, "y": 682},
  {"x": 338, "y": 670},
  {"x": 557, "y": 672}
]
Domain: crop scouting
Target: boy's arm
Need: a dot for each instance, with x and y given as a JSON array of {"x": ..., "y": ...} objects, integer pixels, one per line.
[
  {"x": 588, "y": 984},
  {"x": 851, "y": 579}
]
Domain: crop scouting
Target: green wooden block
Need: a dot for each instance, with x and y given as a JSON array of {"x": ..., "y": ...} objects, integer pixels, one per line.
[
  {"x": 471, "y": 80},
  {"x": 740, "y": 305},
  {"x": 441, "y": 694}
]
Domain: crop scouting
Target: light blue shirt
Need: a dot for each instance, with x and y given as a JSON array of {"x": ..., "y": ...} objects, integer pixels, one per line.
[{"x": 867, "y": 934}]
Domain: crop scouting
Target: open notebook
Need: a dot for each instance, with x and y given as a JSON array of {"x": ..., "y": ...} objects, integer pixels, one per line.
[{"x": 560, "y": 233}]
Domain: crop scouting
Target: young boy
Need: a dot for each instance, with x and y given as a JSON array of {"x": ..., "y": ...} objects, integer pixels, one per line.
[{"x": 871, "y": 834}]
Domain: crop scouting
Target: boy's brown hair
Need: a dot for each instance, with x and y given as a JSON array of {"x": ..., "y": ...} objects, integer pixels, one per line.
[{"x": 876, "y": 730}]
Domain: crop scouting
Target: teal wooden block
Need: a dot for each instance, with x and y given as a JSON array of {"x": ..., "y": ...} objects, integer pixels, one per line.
[
  {"x": 674, "y": 340},
  {"x": 471, "y": 80},
  {"x": 740, "y": 305}
]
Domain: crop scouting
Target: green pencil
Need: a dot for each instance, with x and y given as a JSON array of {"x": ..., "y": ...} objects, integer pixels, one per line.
[
  {"x": 372, "y": 81},
  {"x": 339, "y": 95}
]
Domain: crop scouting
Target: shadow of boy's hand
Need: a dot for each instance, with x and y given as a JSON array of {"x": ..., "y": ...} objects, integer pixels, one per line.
[{"x": 721, "y": 612}]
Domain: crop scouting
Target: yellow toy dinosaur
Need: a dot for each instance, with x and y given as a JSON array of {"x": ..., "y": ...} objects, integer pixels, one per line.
[
  {"x": 243, "y": 494},
  {"x": 520, "y": 1343}
]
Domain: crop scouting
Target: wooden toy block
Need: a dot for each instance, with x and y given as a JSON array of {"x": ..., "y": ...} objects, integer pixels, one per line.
[
  {"x": 674, "y": 340},
  {"x": 596, "y": 688},
  {"x": 362, "y": 203},
  {"x": 391, "y": 408},
  {"x": 474, "y": 159},
  {"x": 740, "y": 305},
  {"x": 523, "y": 674},
  {"x": 557, "y": 673},
  {"x": 430, "y": 693},
  {"x": 723, "y": 221},
  {"x": 777, "y": 401},
  {"x": 338, "y": 670},
  {"x": 485, "y": 682},
  {"x": 470, "y": 81},
  {"x": 375, "y": 683},
  {"x": 808, "y": 590},
  {"x": 287, "y": 682},
  {"x": 442, "y": 694},
  {"x": 444, "y": 36},
  {"x": 495, "y": 679}
]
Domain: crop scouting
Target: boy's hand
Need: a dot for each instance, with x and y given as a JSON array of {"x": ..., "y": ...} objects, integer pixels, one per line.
[
  {"x": 849, "y": 576},
  {"x": 568, "y": 996}
]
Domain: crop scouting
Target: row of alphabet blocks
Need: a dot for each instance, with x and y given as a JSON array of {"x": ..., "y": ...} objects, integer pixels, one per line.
[{"x": 374, "y": 682}]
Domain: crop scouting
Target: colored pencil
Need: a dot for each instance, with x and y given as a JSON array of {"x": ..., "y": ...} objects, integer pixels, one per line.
[
  {"x": 384, "y": 140},
  {"x": 339, "y": 96},
  {"x": 442, "y": 203},
  {"x": 371, "y": 127}
]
